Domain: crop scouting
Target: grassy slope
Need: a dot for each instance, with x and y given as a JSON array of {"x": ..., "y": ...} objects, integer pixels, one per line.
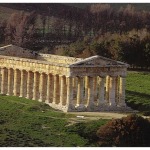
[
  {"x": 138, "y": 90},
  {"x": 30, "y": 123}
]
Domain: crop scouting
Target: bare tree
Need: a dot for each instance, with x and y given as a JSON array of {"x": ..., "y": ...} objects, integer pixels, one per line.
[{"x": 20, "y": 28}]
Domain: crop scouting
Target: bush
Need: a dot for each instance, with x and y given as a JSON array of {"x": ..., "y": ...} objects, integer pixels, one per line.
[{"x": 130, "y": 131}]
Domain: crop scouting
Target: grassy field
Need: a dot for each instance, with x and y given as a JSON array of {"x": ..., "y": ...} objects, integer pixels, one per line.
[
  {"x": 30, "y": 123},
  {"x": 138, "y": 90},
  {"x": 26, "y": 122}
]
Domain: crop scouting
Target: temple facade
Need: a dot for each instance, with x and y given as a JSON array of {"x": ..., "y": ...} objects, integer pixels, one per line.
[{"x": 65, "y": 83}]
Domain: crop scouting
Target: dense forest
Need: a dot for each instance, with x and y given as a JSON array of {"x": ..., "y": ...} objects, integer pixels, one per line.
[{"x": 121, "y": 34}]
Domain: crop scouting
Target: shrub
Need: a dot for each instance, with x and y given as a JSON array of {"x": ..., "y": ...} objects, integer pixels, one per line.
[{"x": 130, "y": 131}]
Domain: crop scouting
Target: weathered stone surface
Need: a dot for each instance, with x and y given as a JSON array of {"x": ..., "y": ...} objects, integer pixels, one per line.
[{"x": 65, "y": 83}]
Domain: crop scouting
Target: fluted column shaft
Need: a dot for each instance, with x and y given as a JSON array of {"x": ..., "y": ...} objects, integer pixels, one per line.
[
  {"x": 86, "y": 88},
  {"x": 10, "y": 82},
  {"x": 62, "y": 90},
  {"x": 16, "y": 81},
  {"x": 122, "y": 91},
  {"x": 112, "y": 92},
  {"x": 69, "y": 101},
  {"x": 3, "y": 82},
  {"x": 117, "y": 90},
  {"x": 101, "y": 98},
  {"x": 22, "y": 93},
  {"x": 41, "y": 88},
  {"x": 107, "y": 89},
  {"x": 80, "y": 90},
  {"x": 29, "y": 83},
  {"x": 90, "y": 92},
  {"x": 95, "y": 87},
  {"x": 56, "y": 86},
  {"x": 49, "y": 82},
  {"x": 35, "y": 86}
]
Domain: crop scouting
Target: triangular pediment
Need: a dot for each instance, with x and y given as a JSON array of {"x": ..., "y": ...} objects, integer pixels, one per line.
[{"x": 98, "y": 61}]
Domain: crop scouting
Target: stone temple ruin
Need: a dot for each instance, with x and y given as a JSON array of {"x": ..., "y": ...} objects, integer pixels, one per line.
[{"x": 65, "y": 83}]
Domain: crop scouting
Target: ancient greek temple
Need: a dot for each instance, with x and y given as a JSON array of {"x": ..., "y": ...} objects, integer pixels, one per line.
[{"x": 65, "y": 83}]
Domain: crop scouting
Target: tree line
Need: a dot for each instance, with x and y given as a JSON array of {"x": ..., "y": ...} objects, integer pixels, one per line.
[{"x": 119, "y": 34}]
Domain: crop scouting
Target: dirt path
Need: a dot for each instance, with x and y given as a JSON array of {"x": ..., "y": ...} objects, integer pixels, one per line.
[{"x": 100, "y": 115}]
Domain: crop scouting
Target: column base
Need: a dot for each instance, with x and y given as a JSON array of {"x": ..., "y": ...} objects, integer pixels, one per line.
[
  {"x": 122, "y": 105},
  {"x": 40, "y": 100},
  {"x": 91, "y": 107},
  {"x": 112, "y": 105},
  {"x": 80, "y": 107}
]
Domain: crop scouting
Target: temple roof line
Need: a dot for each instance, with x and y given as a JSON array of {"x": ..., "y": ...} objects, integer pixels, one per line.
[{"x": 16, "y": 53}]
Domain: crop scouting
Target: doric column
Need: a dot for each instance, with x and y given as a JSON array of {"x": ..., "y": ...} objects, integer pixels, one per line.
[
  {"x": 56, "y": 86},
  {"x": 4, "y": 81},
  {"x": 29, "y": 85},
  {"x": 101, "y": 98},
  {"x": 16, "y": 82},
  {"x": 49, "y": 83},
  {"x": 36, "y": 86},
  {"x": 69, "y": 101},
  {"x": 10, "y": 82},
  {"x": 112, "y": 92},
  {"x": 117, "y": 90},
  {"x": 122, "y": 91},
  {"x": 90, "y": 92},
  {"x": 107, "y": 89},
  {"x": 74, "y": 84},
  {"x": 22, "y": 84},
  {"x": 80, "y": 90},
  {"x": 41, "y": 87},
  {"x": 62, "y": 90},
  {"x": 86, "y": 88},
  {"x": 95, "y": 87}
]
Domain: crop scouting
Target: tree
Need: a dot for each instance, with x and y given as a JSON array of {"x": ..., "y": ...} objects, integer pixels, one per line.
[
  {"x": 20, "y": 28},
  {"x": 132, "y": 130}
]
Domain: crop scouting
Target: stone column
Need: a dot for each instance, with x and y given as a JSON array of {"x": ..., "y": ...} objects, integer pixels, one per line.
[
  {"x": 69, "y": 101},
  {"x": 29, "y": 85},
  {"x": 16, "y": 82},
  {"x": 56, "y": 86},
  {"x": 10, "y": 82},
  {"x": 22, "y": 84},
  {"x": 4, "y": 81},
  {"x": 0, "y": 78},
  {"x": 62, "y": 90},
  {"x": 95, "y": 88},
  {"x": 90, "y": 93},
  {"x": 101, "y": 98},
  {"x": 41, "y": 87},
  {"x": 122, "y": 91},
  {"x": 107, "y": 89},
  {"x": 112, "y": 91},
  {"x": 74, "y": 84},
  {"x": 36, "y": 86},
  {"x": 80, "y": 91},
  {"x": 117, "y": 91},
  {"x": 86, "y": 88},
  {"x": 49, "y": 82}
]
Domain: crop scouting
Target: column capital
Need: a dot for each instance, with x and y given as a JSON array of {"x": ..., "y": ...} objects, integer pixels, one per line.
[
  {"x": 123, "y": 76},
  {"x": 102, "y": 76}
]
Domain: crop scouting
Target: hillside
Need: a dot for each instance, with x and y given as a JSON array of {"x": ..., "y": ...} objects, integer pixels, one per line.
[
  {"x": 28, "y": 123},
  {"x": 50, "y": 9},
  {"x": 138, "y": 6}
]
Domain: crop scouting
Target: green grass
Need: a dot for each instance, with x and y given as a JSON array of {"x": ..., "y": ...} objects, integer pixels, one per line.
[
  {"x": 138, "y": 90},
  {"x": 26, "y": 122}
]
